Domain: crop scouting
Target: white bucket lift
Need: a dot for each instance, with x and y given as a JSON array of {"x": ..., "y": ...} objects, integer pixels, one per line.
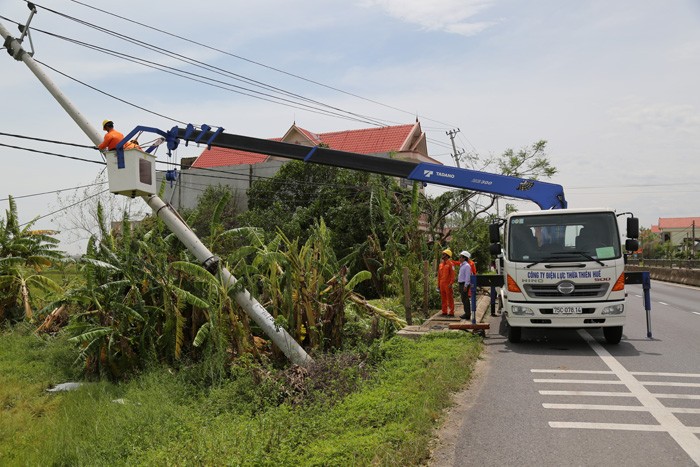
[{"x": 137, "y": 177}]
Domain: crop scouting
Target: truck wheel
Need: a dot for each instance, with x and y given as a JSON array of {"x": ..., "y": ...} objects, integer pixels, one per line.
[
  {"x": 613, "y": 334},
  {"x": 514, "y": 334}
]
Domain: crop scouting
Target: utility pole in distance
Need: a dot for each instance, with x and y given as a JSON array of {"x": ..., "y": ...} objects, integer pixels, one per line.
[{"x": 455, "y": 155}]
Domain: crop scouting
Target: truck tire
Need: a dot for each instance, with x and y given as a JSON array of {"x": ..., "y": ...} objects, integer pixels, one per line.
[
  {"x": 613, "y": 334},
  {"x": 514, "y": 333}
]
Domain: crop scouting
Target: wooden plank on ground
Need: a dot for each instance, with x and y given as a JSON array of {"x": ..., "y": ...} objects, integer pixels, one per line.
[{"x": 469, "y": 326}]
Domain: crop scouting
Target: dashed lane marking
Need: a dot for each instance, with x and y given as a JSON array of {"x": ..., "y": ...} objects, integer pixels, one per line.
[{"x": 664, "y": 303}]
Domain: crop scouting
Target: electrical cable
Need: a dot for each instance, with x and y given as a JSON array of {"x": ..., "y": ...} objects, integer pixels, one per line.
[
  {"x": 206, "y": 66},
  {"x": 47, "y": 140},
  {"x": 204, "y": 80},
  {"x": 53, "y": 154},
  {"x": 110, "y": 95},
  {"x": 54, "y": 191},
  {"x": 150, "y": 27},
  {"x": 64, "y": 208}
]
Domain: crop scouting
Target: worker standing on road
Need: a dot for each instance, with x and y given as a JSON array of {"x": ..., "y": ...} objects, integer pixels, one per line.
[
  {"x": 464, "y": 281},
  {"x": 446, "y": 277}
]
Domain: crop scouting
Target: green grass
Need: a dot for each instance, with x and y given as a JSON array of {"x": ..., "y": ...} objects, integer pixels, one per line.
[{"x": 161, "y": 419}]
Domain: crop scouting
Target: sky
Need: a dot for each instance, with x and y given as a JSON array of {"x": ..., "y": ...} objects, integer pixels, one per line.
[{"x": 611, "y": 86}]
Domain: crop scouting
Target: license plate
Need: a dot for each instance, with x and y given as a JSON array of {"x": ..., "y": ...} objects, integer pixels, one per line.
[{"x": 567, "y": 310}]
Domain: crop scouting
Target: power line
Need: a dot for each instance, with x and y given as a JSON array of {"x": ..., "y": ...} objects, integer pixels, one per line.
[
  {"x": 54, "y": 191},
  {"x": 64, "y": 208},
  {"x": 221, "y": 84},
  {"x": 47, "y": 140},
  {"x": 150, "y": 27},
  {"x": 53, "y": 154},
  {"x": 206, "y": 66},
  {"x": 110, "y": 95}
]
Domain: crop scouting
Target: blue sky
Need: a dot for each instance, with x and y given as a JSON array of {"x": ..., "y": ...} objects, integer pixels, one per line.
[{"x": 612, "y": 86}]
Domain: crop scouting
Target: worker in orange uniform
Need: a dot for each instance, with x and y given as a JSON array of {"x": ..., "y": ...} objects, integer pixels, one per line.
[
  {"x": 113, "y": 137},
  {"x": 446, "y": 277}
]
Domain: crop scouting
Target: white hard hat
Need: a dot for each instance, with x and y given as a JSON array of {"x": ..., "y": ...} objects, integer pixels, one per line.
[{"x": 465, "y": 253}]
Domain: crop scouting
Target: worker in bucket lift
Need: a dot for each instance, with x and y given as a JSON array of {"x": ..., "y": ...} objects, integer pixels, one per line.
[{"x": 113, "y": 137}]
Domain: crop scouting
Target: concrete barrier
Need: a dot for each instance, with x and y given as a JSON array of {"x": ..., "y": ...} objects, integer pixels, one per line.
[{"x": 676, "y": 275}]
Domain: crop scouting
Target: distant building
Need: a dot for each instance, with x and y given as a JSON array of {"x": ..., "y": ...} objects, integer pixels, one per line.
[
  {"x": 239, "y": 169},
  {"x": 681, "y": 232}
]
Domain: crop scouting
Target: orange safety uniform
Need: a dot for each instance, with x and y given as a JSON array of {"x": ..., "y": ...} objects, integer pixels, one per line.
[
  {"x": 446, "y": 277},
  {"x": 111, "y": 140}
]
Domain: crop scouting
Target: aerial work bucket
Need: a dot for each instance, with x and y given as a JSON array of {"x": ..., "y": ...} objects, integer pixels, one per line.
[{"x": 131, "y": 174}]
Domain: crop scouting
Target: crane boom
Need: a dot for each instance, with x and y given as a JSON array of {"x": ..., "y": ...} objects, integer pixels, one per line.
[{"x": 545, "y": 195}]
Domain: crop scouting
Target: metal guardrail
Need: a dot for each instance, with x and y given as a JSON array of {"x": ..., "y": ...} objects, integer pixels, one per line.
[{"x": 666, "y": 263}]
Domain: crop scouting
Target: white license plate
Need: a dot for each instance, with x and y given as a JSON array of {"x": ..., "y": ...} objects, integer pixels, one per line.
[{"x": 567, "y": 310}]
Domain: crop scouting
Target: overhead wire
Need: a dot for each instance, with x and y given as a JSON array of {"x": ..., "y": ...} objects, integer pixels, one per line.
[
  {"x": 254, "y": 62},
  {"x": 208, "y": 67},
  {"x": 232, "y": 175},
  {"x": 54, "y": 191},
  {"x": 64, "y": 208}
]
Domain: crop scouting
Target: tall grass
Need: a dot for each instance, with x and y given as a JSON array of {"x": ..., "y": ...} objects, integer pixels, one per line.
[{"x": 160, "y": 418}]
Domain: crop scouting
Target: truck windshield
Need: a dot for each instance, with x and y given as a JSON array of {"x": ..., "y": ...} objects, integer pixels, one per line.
[{"x": 563, "y": 237}]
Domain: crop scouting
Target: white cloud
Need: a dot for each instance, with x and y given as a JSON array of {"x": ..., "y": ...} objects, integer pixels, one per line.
[
  {"x": 662, "y": 117},
  {"x": 453, "y": 16}
]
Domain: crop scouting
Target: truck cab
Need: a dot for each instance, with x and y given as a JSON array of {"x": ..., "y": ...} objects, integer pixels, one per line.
[{"x": 563, "y": 269}]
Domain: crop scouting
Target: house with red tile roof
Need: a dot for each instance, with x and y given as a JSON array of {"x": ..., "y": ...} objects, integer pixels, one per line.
[
  {"x": 406, "y": 142},
  {"x": 239, "y": 169},
  {"x": 678, "y": 230}
]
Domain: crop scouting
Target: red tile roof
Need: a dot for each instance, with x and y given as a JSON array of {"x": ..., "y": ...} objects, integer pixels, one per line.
[
  {"x": 217, "y": 157},
  {"x": 679, "y": 223},
  {"x": 364, "y": 141},
  {"x": 369, "y": 140},
  {"x": 655, "y": 229}
]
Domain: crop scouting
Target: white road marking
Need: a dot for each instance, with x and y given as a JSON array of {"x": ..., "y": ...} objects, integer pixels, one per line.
[
  {"x": 664, "y": 303},
  {"x": 588, "y": 393},
  {"x": 696, "y": 313},
  {"x": 674, "y": 375},
  {"x": 577, "y": 381},
  {"x": 586, "y": 372},
  {"x": 623, "y": 408},
  {"x": 686, "y": 432},
  {"x": 668, "y": 422},
  {"x": 668, "y": 383},
  {"x": 637, "y": 295},
  {"x": 626, "y": 408},
  {"x": 676, "y": 396}
]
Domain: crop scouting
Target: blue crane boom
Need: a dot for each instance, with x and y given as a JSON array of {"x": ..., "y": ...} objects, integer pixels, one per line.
[{"x": 545, "y": 195}]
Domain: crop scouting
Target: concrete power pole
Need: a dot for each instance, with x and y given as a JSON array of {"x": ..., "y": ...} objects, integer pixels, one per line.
[
  {"x": 455, "y": 154},
  {"x": 294, "y": 352}
]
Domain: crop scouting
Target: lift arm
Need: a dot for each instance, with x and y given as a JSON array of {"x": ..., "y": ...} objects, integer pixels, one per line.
[{"x": 545, "y": 195}]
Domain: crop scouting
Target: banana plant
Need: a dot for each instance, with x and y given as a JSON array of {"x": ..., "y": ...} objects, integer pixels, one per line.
[{"x": 24, "y": 255}]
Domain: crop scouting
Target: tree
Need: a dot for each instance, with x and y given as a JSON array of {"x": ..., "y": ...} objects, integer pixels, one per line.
[{"x": 24, "y": 255}]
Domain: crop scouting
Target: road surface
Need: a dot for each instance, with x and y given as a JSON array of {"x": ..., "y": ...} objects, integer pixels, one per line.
[{"x": 565, "y": 397}]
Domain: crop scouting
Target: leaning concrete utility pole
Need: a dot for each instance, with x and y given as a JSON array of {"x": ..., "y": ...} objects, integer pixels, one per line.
[{"x": 291, "y": 348}]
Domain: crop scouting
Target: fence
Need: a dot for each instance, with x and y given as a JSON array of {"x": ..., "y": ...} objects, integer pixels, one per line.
[{"x": 666, "y": 263}]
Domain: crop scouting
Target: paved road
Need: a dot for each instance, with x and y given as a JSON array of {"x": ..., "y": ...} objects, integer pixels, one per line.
[{"x": 564, "y": 397}]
